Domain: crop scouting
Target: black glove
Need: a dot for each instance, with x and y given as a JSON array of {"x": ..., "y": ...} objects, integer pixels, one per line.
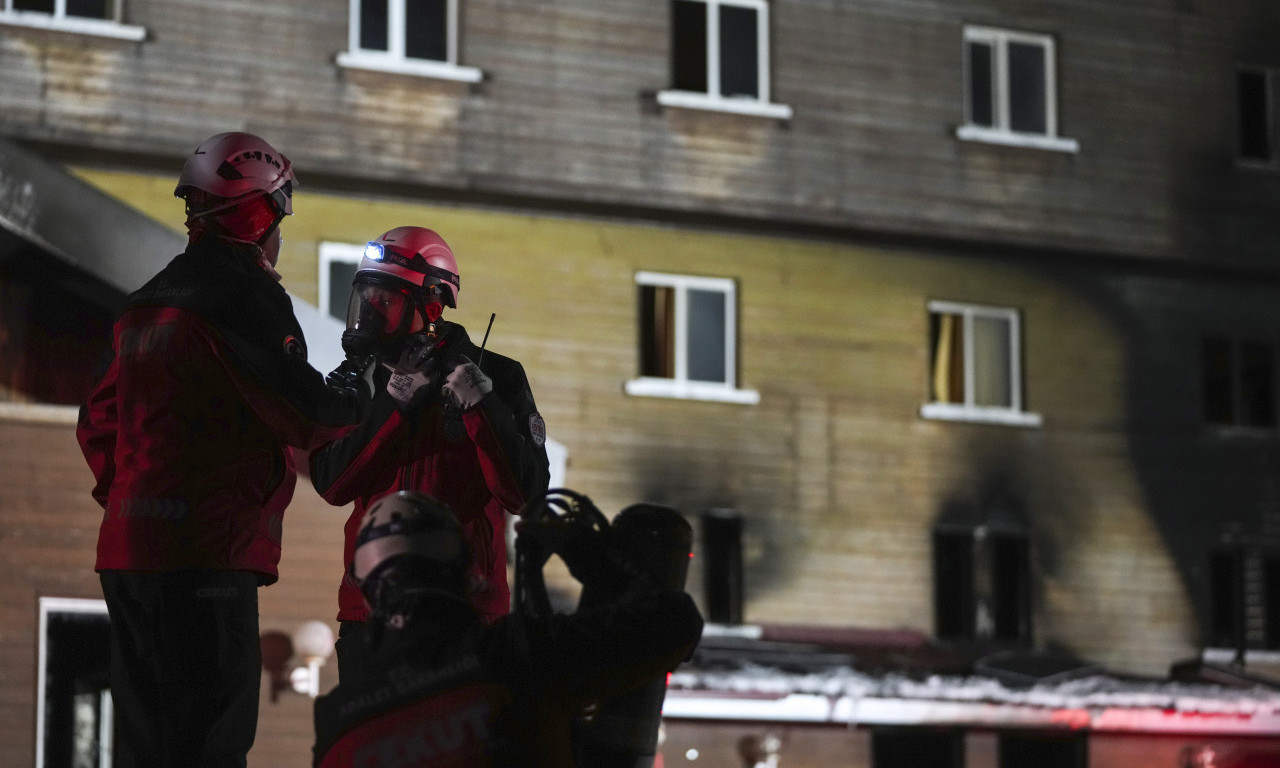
[
  {"x": 355, "y": 376},
  {"x": 588, "y": 553}
]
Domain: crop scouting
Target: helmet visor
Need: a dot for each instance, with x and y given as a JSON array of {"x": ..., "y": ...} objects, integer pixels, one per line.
[{"x": 381, "y": 309}]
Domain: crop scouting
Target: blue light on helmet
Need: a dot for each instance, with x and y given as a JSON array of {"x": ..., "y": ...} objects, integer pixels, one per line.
[{"x": 373, "y": 250}]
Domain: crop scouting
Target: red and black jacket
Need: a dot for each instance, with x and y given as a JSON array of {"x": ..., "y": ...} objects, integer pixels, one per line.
[
  {"x": 187, "y": 430},
  {"x": 482, "y": 464}
]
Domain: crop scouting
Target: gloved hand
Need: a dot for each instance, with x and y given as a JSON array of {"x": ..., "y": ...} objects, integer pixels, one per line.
[
  {"x": 354, "y": 375},
  {"x": 466, "y": 383},
  {"x": 586, "y": 552},
  {"x": 411, "y": 374}
]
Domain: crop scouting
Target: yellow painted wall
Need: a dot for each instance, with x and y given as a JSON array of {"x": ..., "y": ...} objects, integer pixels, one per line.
[{"x": 838, "y": 476}]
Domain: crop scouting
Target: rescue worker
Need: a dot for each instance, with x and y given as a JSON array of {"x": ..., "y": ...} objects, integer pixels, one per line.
[
  {"x": 448, "y": 419},
  {"x": 437, "y": 687},
  {"x": 188, "y": 434}
]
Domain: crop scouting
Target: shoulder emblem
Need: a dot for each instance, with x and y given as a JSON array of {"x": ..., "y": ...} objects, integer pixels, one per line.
[{"x": 537, "y": 429}]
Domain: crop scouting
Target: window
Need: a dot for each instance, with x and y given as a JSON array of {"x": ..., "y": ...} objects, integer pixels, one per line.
[
  {"x": 976, "y": 365},
  {"x": 916, "y": 748},
  {"x": 1043, "y": 750},
  {"x": 688, "y": 339},
  {"x": 413, "y": 37},
  {"x": 1238, "y": 382},
  {"x": 981, "y": 584},
  {"x": 1011, "y": 90},
  {"x": 1257, "y": 91},
  {"x": 1244, "y": 599},
  {"x": 338, "y": 264},
  {"x": 89, "y": 17},
  {"x": 73, "y": 710},
  {"x": 722, "y": 570},
  {"x": 720, "y": 57}
]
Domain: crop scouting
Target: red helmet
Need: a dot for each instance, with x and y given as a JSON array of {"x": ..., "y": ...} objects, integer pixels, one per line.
[
  {"x": 413, "y": 255},
  {"x": 235, "y": 165}
]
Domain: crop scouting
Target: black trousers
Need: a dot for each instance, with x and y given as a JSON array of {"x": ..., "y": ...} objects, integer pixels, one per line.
[{"x": 185, "y": 667}]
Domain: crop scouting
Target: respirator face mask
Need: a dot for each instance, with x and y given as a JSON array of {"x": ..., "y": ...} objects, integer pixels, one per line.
[{"x": 379, "y": 316}]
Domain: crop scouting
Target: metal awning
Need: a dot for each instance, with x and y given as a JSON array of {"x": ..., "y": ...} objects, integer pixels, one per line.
[{"x": 55, "y": 224}]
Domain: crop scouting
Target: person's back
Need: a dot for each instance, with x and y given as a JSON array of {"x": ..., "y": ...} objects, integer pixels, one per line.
[{"x": 437, "y": 687}]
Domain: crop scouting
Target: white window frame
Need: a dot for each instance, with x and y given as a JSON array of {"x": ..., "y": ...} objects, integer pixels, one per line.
[
  {"x": 1001, "y": 133},
  {"x": 680, "y": 386},
  {"x": 50, "y": 605},
  {"x": 331, "y": 252},
  {"x": 968, "y": 410},
  {"x": 711, "y": 99},
  {"x": 81, "y": 25},
  {"x": 393, "y": 59}
]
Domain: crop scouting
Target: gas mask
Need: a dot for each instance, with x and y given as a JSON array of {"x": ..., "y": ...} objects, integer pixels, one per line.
[{"x": 383, "y": 313}]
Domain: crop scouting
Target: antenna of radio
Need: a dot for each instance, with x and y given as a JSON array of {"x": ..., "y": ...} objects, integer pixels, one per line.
[{"x": 492, "y": 315}]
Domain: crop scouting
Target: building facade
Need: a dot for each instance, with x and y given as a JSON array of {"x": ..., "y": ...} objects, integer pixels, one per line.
[{"x": 953, "y": 319}]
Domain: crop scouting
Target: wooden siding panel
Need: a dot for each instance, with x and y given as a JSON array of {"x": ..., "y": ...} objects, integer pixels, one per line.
[{"x": 565, "y": 114}]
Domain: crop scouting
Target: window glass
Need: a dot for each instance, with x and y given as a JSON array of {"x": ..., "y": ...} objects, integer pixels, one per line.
[
  {"x": 1255, "y": 128},
  {"x": 42, "y": 6},
  {"x": 341, "y": 273},
  {"x": 739, "y": 57},
  {"x": 991, "y": 363},
  {"x": 689, "y": 45},
  {"x": 706, "y": 335},
  {"x": 1027, "y": 79},
  {"x": 426, "y": 29},
  {"x": 981, "y": 99},
  {"x": 90, "y": 9},
  {"x": 373, "y": 25}
]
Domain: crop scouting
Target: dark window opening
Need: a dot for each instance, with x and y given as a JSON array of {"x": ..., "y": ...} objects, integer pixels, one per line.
[
  {"x": 1257, "y": 387},
  {"x": 373, "y": 25},
  {"x": 916, "y": 748},
  {"x": 1238, "y": 382},
  {"x": 982, "y": 586},
  {"x": 1255, "y": 115},
  {"x": 981, "y": 96},
  {"x": 657, "y": 331},
  {"x": 953, "y": 584},
  {"x": 1226, "y": 599},
  {"x": 1216, "y": 376},
  {"x": 1244, "y": 590},
  {"x": 1043, "y": 751},
  {"x": 77, "y": 705},
  {"x": 722, "y": 572},
  {"x": 739, "y": 56},
  {"x": 427, "y": 30},
  {"x": 689, "y": 45}
]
